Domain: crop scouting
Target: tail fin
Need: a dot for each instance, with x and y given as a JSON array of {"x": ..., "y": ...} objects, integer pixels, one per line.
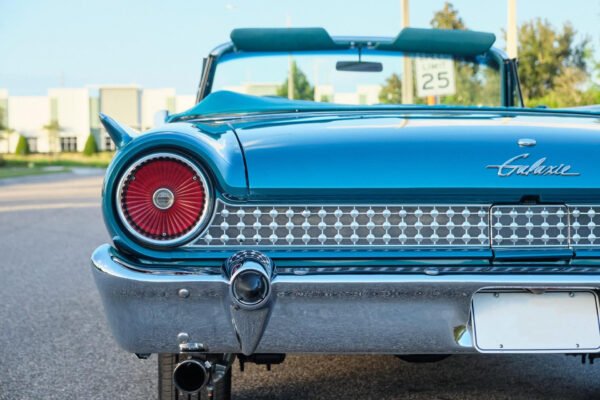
[{"x": 119, "y": 133}]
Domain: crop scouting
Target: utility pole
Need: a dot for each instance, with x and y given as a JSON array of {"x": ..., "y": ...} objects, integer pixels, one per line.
[
  {"x": 511, "y": 29},
  {"x": 407, "y": 76},
  {"x": 290, "y": 68}
]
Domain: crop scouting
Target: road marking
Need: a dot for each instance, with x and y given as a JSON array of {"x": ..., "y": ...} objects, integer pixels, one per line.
[
  {"x": 50, "y": 194},
  {"x": 52, "y": 206}
]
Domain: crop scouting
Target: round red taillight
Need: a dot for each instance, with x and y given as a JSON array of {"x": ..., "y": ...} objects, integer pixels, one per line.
[{"x": 163, "y": 199}]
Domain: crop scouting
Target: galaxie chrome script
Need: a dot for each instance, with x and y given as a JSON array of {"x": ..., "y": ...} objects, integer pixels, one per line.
[{"x": 509, "y": 167}]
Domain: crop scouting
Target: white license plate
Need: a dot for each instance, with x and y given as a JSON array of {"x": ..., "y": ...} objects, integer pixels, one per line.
[{"x": 551, "y": 322}]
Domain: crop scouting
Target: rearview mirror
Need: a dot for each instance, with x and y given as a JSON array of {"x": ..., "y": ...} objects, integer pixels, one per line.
[{"x": 359, "y": 66}]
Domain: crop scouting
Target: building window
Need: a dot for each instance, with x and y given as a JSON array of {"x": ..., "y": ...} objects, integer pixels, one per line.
[
  {"x": 68, "y": 144},
  {"x": 32, "y": 143},
  {"x": 108, "y": 144}
]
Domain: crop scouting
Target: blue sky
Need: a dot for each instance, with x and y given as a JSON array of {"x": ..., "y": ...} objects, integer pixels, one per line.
[{"x": 155, "y": 43}]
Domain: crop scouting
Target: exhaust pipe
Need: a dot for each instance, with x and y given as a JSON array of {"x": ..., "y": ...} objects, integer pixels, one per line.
[
  {"x": 250, "y": 279},
  {"x": 190, "y": 376}
]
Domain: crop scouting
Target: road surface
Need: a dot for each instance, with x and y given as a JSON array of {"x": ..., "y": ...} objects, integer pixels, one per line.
[{"x": 55, "y": 344}]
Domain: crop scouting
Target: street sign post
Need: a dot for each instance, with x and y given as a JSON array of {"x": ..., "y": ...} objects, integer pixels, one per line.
[{"x": 435, "y": 77}]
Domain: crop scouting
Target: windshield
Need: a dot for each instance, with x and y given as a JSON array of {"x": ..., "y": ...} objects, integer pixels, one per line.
[{"x": 373, "y": 77}]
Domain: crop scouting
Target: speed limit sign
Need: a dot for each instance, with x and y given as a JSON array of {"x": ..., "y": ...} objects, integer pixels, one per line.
[{"x": 435, "y": 77}]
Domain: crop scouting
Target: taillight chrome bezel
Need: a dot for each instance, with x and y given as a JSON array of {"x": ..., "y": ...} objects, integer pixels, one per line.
[{"x": 195, "y": 230}]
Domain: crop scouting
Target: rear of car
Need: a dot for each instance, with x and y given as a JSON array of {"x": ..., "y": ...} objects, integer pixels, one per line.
[{"x": 257, "y": 227}]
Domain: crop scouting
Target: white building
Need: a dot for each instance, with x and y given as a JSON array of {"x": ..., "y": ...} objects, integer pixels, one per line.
[
  {"x": 64, "y": 119},
  {"x": 324, "y": 93},
  {"x": 70, "y": 111},
  {"x": 123, "y": 103},
  {"x": 364, "y": 94},
  {"x": 154, "y": 100},
  {"x": 184, "y": 102},
  {"x": 368, "y": 94},
  {"x": 27, "y": 116},
  {"x": 4, "y": 140},
  {"x": 3, "y": 108},
  {"x": 57, "y": 122},
  {"x": 255, "y": 89}
]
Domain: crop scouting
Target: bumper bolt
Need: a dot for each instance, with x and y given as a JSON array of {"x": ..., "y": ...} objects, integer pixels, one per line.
[
  {"x": 183, "y": 293},
  {"x": 183, "y": 337}
]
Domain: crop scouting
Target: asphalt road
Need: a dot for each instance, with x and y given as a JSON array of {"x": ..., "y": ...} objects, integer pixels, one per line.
[{"x": 55, "y": 344}]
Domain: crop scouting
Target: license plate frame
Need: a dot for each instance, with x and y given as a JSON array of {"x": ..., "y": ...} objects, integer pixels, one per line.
[{"x": 561, "y": 321}]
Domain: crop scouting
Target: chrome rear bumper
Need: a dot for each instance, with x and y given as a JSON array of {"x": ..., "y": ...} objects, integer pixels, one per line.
[{"x": 366, "y": 313}]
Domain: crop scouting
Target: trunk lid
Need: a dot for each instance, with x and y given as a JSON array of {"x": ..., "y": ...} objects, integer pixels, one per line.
[{"x": 468, "y": 156}]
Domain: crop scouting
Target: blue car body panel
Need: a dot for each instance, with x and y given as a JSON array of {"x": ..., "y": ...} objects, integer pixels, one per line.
[
  {"x": 413, "y": 156},
  {"x": 411, "y": 152}
]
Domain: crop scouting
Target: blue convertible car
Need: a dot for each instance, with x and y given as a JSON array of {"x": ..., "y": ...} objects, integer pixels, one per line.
[{"x": 351, "y": 195}]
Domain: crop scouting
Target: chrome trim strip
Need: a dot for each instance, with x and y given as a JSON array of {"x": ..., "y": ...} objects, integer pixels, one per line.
[
  {"x": 440, "y": 268},
  {"x": 525, "y": 142}
]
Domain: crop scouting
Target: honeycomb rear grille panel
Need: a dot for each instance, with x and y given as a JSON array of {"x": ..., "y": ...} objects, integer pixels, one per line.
[
  {"x": 530, "y": 226},
  {"x": 584, "y": 226},
  {"x": 348, "y": 226},
  {"x": 403, "y": 226}
]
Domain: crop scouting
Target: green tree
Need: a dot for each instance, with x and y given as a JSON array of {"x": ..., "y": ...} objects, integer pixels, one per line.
[
  {"x": 302, "y": 88},
  {"x": 594, "y": 90},
  {"x": 391, "y": 91},
  {"x": 475, "y": 84},
  {"x": 90, "y": 147},
  {"x": 2, "y": 114},
  {"x": 22, "y": 146},
  {"x": 447, "y": 18},
  {"x": 565, "y": 92},
  {"x": 3, "y": 132},
  {"x": 549, "y": 58}
]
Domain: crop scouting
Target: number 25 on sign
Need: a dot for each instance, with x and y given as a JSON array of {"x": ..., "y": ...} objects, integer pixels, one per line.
[{"x": 435, "y": 77}]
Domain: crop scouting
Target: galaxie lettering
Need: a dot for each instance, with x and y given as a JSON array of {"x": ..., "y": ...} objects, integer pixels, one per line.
[{"x": 537, "y": 168}]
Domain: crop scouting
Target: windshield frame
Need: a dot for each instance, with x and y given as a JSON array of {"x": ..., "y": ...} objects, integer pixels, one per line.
[{"x": 510, "y": 93}]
